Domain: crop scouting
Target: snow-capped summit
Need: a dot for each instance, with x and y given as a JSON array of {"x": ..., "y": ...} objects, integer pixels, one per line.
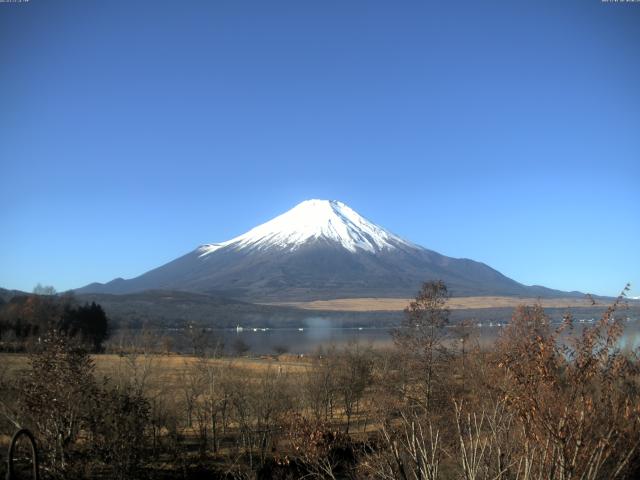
[
  {"x": 319, "y": 249},
  {"x": 313, "y": 220}
]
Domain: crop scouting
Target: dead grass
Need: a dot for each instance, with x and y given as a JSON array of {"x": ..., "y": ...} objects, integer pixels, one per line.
[
  {"x": 170, "y": 368},
  {"x": 456, "y": 303}
]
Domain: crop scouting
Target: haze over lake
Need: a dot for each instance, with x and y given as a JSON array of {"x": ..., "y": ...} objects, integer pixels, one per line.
[{"x": 320, "y": 334}]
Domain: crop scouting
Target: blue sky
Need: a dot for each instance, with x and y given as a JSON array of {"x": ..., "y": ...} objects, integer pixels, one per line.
[{"x": 503, "y": 131}]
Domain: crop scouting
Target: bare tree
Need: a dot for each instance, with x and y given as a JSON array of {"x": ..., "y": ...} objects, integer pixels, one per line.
[
  {"x": 320, "y": 385},
  {"x": 408, "y": 450},
  {"x": 40, "y": 289},
  {"x": 422, "y": 333},
  {"x": 58, "y": 396},
  {"x": 353, "y": 376}
]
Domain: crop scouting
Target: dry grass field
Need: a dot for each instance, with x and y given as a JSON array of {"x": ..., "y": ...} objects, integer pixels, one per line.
[
  {"x": 456, "y": 303},
  {"x": 166, "y": 369}
]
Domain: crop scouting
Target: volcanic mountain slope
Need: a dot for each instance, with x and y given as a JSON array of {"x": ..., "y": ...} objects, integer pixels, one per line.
[{"x": 320, "y": 249}]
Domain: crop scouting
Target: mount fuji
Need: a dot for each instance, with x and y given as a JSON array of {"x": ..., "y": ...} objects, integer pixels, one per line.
[{"x": 319, "y": 249}]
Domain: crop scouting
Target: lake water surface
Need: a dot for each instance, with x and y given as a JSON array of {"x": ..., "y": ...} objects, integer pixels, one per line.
[
  {"x": 310, "y": 339},
  {"x": 321, "y": 335}
]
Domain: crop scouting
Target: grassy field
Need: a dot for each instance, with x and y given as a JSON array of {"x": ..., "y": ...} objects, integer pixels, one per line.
[
  {"x": 170, "y": 368},
  {"x": 456, "y": 303},
  {"x": 163, "y": 372}
]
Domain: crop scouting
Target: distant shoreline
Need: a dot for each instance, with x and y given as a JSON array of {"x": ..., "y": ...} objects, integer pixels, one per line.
[{"x": 455, "y": 303}]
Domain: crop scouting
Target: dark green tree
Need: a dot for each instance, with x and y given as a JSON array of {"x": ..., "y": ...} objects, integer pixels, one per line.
[{"x": 88, "y": 321}]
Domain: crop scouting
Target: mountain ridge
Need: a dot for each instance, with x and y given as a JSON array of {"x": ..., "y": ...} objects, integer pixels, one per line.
[{"x": 320, "y": 249}]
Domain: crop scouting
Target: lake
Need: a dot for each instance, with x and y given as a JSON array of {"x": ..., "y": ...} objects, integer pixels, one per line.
[{"x": 320, "y": 334}]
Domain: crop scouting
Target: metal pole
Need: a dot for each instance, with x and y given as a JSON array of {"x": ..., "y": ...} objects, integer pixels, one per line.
[{"x": 34, "y": 454}]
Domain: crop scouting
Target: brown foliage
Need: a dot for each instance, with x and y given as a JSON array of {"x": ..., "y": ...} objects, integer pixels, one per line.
[
  {"x": 545, "y": 402},
  {"x": 578, "y": 401},
  {"x": 325, "y": 452},
  {"x": 57, "y": 396},
  {"x": 78, "y": 422}
]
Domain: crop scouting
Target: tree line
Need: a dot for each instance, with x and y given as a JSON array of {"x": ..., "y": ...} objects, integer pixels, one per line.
[{"x": 25, "y": 319}]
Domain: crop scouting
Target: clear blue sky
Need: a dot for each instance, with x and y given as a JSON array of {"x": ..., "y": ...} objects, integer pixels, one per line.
[{"x": 503, "y": 131}]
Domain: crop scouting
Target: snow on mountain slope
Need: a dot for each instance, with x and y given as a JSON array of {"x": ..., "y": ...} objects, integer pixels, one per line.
[
  {"x": 313, "y": 220},
  {"x": 319, "y": 249}
]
